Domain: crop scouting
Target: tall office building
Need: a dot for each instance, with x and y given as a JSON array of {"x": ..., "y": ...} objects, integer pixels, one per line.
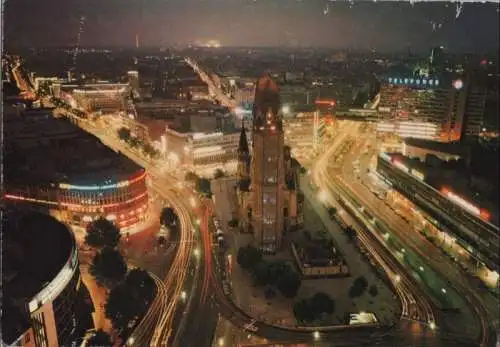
[
  {"x": 447, "y": 113},
  {"x": 268, "y": 186}
]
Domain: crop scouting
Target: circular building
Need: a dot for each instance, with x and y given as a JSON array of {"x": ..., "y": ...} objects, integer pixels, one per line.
[
  {"x": 45, "y": 302},
  {"x": 52, "y": 165}
]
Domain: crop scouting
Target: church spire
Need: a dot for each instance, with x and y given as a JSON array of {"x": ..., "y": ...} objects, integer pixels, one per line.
[{"x": 243, "y": 145}]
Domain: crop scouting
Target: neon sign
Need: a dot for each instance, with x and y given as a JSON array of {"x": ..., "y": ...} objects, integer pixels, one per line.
[{"x": 103, "y": 187}]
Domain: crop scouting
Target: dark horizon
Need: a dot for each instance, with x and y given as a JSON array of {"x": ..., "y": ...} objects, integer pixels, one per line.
[{"x": 386, "y": 27}]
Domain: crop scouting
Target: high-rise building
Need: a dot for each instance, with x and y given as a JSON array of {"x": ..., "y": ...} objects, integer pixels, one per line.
[
  {"x": 268, "y": 186},
  {"x": 439, "y": 112}
]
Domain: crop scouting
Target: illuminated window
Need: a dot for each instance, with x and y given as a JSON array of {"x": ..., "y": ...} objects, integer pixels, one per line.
[
  {"x": 271, "y": 179},
  {"x": 268, "y": 220}
]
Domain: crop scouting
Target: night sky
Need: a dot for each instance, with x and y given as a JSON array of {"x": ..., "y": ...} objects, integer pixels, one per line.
[{"x": 386, "y": 26}]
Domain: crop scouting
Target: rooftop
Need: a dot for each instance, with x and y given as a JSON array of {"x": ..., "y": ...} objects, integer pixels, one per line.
[
  {"x": 28, "y": 264},
  {"x": 444, "y": 147},
  {"x": 45, "y": 150}
]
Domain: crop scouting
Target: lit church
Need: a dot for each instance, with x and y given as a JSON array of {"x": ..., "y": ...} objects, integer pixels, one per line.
[{"x": 268, "y": 186}]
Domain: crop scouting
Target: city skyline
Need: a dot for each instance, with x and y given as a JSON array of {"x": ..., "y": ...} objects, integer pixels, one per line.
[{"x": 383, "y": 26}]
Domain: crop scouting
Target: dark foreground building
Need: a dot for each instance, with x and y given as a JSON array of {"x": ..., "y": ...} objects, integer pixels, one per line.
[{"x": 45, "y": 302}]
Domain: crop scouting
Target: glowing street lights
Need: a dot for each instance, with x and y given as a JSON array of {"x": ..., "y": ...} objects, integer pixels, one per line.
[
  {"x": 197, "y": 253},
  {"x": 316, "y": 335}
]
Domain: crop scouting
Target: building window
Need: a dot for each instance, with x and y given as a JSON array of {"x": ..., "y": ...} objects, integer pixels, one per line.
[
  {"x": 271, "y": 179},
  {"x": 269, "y": 199},
  {"x": 268, "y": 220}
]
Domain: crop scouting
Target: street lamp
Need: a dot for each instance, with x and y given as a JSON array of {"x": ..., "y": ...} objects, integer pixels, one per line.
[
  {"x": 183, "y": 295},
  {"x": 131, "y": 341},
  {"x": 323, "y": 196},
  {"x": 432, "y": 325},
  {"x": 220, "y": 342},
  {"x": 198, "y": 222},
  {"x": 397, "y": 278},
  {"x": 196, "y": 252},
  {"x": 316, "y": 335},
  {"x": 192, "y": 201}
]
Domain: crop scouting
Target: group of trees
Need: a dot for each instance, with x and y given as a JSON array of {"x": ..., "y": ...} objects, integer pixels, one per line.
[
  {"x": 358, "y": 287},
  {"x": 351, "y": 233},
  {"x": 233, "y": 223},
  {"x": 202, "y": 185},
  {"x": 108, "y": 266},
  {"x": 130, "y": 293},
  {"x": 266, "y": 273},
  {"x": 314, "y": 308},
  {"x": 130, "y": 299},
  {"x": 125, "y": 134}
]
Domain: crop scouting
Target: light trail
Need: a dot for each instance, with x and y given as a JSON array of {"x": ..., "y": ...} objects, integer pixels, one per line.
[
  {"x": 350, "y": 188},
  {"x": 174, "y": 280}
]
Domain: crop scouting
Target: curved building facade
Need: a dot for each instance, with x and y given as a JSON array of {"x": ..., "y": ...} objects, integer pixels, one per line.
[
  {"x": 52, "y": 165},
  {"x": 45, "y": 302},
  {"x": 124, "y": 202}
]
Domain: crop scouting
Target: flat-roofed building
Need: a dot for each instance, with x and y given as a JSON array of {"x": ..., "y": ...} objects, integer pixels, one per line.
[{"x": 53, "y": 165}]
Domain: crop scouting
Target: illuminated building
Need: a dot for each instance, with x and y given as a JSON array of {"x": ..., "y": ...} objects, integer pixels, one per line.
[
  {"x": 304, "y": 130},
  {"x": 196, "y": 149},
  {"x": 428, "y": 109},
  {"x": 44, "y": 301},
  {"x": 101, "y": 99},
  {"x": 418, "y": 148},
  {"x": 133, "y": 81},
  {"x": 268, "y": 187},
  {"x": 450, "y": 211},
  {"x": 54, "y": 166}
]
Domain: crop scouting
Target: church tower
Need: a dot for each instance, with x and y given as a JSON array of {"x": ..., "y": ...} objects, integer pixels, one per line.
[
  {"x": 267, "y": 187},
  {"x": 243, "y": 156}
]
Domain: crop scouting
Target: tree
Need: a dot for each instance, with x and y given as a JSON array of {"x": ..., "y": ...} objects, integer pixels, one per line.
[
  {"x": 269, "y": 293},
  {"x": 373, "y": 290},
  {"x": 289, "y": 284},
  {"x": 350, "y": 232},
  {"x": 202, "y": 185},
  {"x": 101, "y": 233},
  {"x": 108, "y": 267},
  {"x": 358, "y": 287},
  {"x": 142, "y": 287},
  {"x": 219, "y": 173},
  {"x": 168, "y": 217},
  {"x": 120, "y": 307},
  {"x": 124, "y": 134},
  {"x": 261, "y": 273},
  {"x": 233, "y": 223},
  {"x": 100, "y": 338},
  {"x": 322, "y": 303},
  {"x": 191, "y": 176},
  {"x": 332, "y": 211},
  {"x": 277, "y": 270},
  {"x": 248, "y": 257},
  {"x": 302, "y": 311}
]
